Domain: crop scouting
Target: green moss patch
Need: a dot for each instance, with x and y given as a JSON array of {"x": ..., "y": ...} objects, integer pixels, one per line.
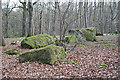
[
  {"x": 89, "y": 34},
  {"x": 105, "y": 65},
  {"x": 71, "y": 39},
  {"x": 59, "y": 43},
  {"x": 12, "y": 51},
  {"x": 37, "y": 41},
  {"x": 81, "y": 45},
  {"x": 48, "y": 55},
  {"x": 73, "y": 62},
  {"x": 84, "y": 34}
]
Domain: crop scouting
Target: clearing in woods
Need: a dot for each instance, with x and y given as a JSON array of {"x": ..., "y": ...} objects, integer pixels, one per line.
[{"x": 87, "y": 59}]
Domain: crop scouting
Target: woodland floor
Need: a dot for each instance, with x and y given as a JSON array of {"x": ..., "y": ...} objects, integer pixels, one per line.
[{"x": 83, "y": 62}]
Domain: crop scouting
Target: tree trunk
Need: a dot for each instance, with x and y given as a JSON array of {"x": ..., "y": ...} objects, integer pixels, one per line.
[
  {"x": 101, "y": 18},
  {"x": 48, "y": 19},
  {"x": 118, "y": 22},
  {"x": 54, "y": 21},
  {"x": 76, "y": 15},
  {"x": 80, "y": 12},
  {"x": 90, "y": 15},
  {"x": 2, "y": 42},
  {"x": 40, "y": 27},
  {"x": 94, "y": 17},
  {"x": 30, "y": 11},
  {"x": 0, "y": 24},
  {"x": 85, "y": 16},
  {"x": 24, "y": 29},
  {"x": 6, "y": 27}
]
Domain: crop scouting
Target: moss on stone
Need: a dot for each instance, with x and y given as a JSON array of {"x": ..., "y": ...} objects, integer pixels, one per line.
[
  {"x": 84, "y": 34},
  {"x": 47, "y": 55},
  {"x": 71, "y": 39},
  {"x": 89, "y": 34},
  {"x": 59, "y": 43},
  {"x": 12, "y": 51},
  {"x": 37, "y": 41}
]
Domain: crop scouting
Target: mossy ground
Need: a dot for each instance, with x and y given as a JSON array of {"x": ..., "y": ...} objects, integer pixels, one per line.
[
  {"x": 2, "y": 44},
  {"x": 12, "y": 51},
  {"x": 86, "y": 58}
]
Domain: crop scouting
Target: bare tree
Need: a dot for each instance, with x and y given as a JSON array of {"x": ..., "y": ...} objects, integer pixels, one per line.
[
  {"x": 30, "y": 17},
  {"x": 101, "y": 17},
  {"x": 2, "y": 42},
  {"x": 8, "y": 10},
  {"x": 80, "y": 13},
  {"x": 24, "y": 22},
  {"x": 55, "y": 18},
  {"x": 118, "y": 22},
  {"x": 113, "y": 16},
  {"x": 62, "y": 18},
  {"x": 76, "y": 14},
  {"x": 40, "y": 25},
  {"x": 85, "y": 14},
  {"x": 90, "y": 14}
]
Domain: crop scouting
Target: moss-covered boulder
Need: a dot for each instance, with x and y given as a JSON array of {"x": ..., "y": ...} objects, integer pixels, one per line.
[
  {"x": 89, "y": 34},
  {"x": 12, "y": 51},
  {"x": 47, "y": 55},
  {"x": 71, "y": 39},
  {"x": 84, "y": 34},
  {"x": 37, "y": 41}
]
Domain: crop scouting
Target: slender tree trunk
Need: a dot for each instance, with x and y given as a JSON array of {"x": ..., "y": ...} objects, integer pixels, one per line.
[
  {"x": 6, "y": 27},
  {"x": 118, "y": 22},
  {"x": 54, "y": 21},
  {"x": 76, "y": 15},
  {"x": 80, "y": 12},
  {"x": 101, "y": 18},
  {"x": 85, "y": 16},
  {"x": 48, "y": 19},
  {"x": 111, "y": 19},
  {"x": 90, "y": 15},
  {"x": 40, "y": 27},
  {"x": 0, "y": 23},
  {"x": 2, "y": 41},
  {"x": 24, "y": 29},
  {"x": 102, "y": 11},
  {"x": 94, "y": 17},
  {"x": 30, "y": 11}
]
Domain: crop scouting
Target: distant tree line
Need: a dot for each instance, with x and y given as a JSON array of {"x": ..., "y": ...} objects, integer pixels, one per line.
[{"x": 55, "y": 18}]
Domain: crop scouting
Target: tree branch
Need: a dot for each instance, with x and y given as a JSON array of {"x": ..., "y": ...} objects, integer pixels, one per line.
[
  {"x": 12, "y": 8},
  {"x": 35, "y": 2}
]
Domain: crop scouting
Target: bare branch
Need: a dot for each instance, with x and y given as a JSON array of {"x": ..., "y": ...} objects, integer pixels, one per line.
[
  {"x": 35, "y": 2},
  {"x": 12, "y": 8},
  {"x": 21, "y": 2}
]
